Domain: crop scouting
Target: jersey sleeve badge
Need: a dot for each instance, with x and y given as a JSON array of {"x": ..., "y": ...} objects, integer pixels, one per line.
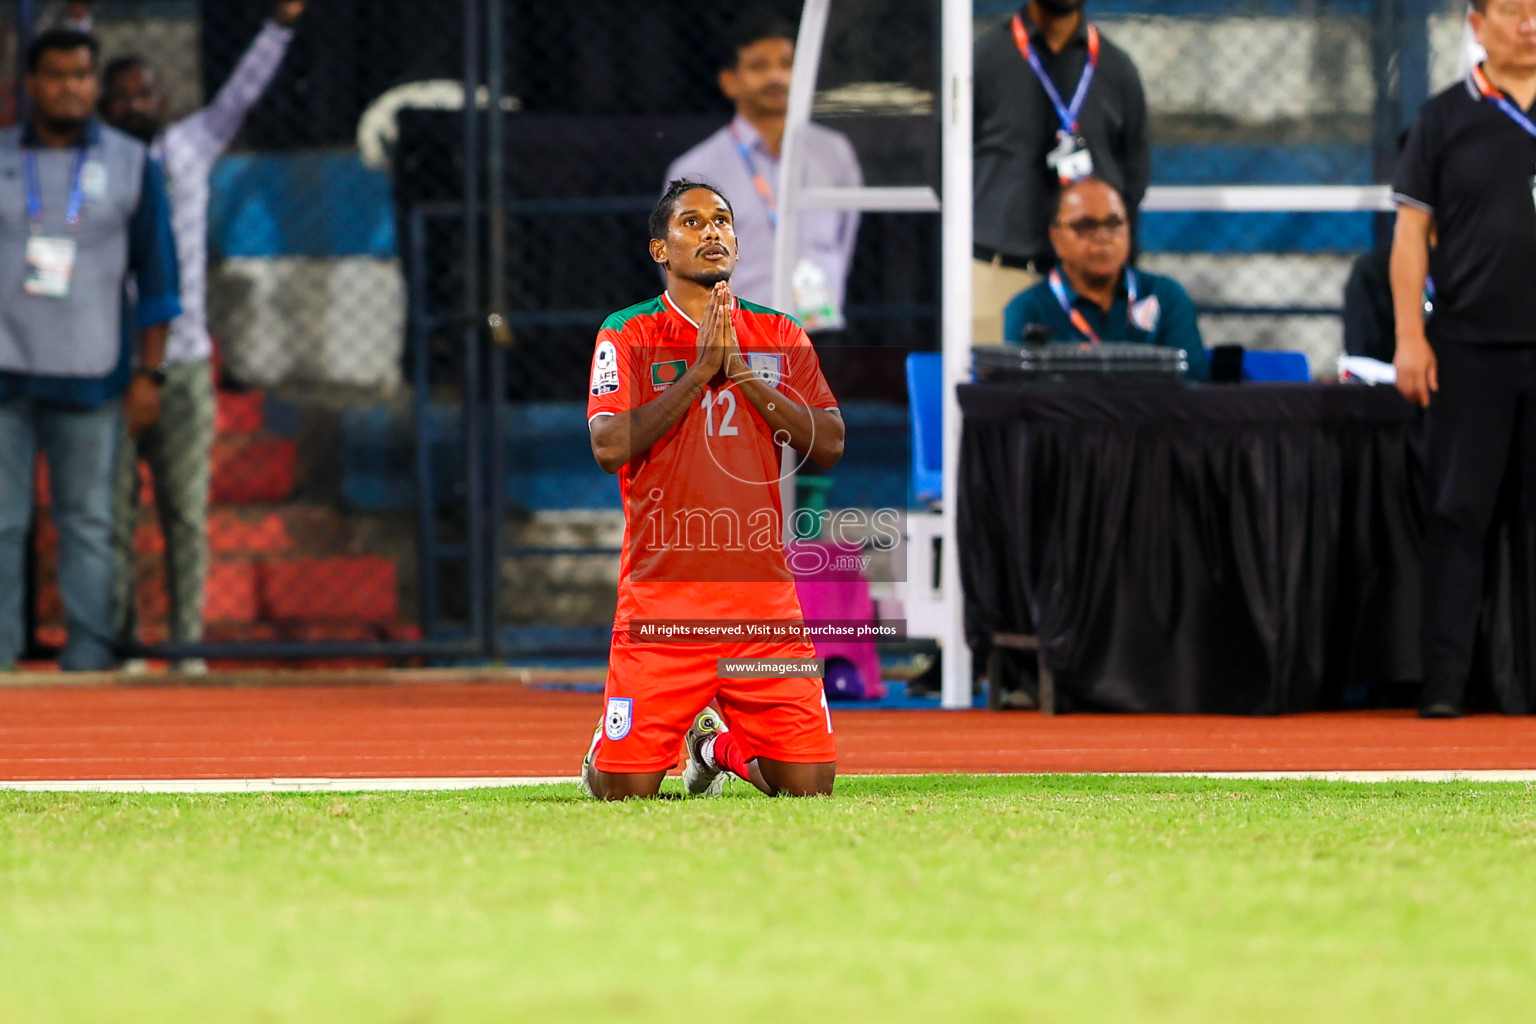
[{"x": 605, "y": 369}]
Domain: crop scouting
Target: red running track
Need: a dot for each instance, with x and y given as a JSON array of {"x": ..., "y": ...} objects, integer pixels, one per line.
[{"x": 408, "y": 730}]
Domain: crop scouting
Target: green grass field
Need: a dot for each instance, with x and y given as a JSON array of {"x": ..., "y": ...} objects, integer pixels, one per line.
[{"x": 924, "y": 899}]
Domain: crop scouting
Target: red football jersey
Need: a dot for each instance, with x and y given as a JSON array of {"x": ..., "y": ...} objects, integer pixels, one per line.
[{"x": 703, "y": 526}]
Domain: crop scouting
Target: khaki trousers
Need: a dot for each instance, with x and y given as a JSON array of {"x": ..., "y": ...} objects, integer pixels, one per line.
[
  {"x": 993, "y": 286},
  {"x": 178, "y": 452}
]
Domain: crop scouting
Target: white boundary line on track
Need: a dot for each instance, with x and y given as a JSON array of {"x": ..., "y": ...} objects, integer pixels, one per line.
[
  {"x": 386, "y": 785},
  {"x": 1445, "y": 775},
  {"x": 278, "y": 785}
]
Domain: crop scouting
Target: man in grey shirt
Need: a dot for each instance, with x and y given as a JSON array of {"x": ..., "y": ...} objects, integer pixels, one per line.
[
  {"x": 82, "y": 209},
  {"x": 742, "y": 160},
  {"x": 177, "y": 449},
  {"x": 1054, "y": 102}
]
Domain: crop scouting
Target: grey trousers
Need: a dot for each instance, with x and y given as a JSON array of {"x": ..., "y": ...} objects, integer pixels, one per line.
[{"x": 178, "y": 450}]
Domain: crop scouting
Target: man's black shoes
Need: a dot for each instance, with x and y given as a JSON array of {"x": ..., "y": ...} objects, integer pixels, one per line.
[{"x": 1441, "y": 699}]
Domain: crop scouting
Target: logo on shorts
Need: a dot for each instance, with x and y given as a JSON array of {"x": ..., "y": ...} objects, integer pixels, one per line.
[{"x": 619, "y": 717}]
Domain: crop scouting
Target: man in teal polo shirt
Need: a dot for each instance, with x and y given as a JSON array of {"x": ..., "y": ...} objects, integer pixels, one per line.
[{"x": 1092, "y": 295}]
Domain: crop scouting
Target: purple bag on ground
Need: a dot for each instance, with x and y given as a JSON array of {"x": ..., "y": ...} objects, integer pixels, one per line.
[{"x": 830, "y": 593}]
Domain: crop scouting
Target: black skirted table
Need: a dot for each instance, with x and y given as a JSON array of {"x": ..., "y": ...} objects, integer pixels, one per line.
[{"x": 1249, "y": 549}]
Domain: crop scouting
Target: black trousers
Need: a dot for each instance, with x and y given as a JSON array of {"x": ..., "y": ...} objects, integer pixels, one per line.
[{"x": 1481, "y": 437}]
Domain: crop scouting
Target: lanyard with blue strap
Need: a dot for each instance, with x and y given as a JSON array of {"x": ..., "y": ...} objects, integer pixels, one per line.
[
  {"x": 1490, "y": 92},
  {"x": 50, "y": 258},
  {"x": 1067, "y": 114},
  {"x": 758, "y": 181},
  {"x": 76, "y": 205},
  {"x": 1059, "y": 288}
]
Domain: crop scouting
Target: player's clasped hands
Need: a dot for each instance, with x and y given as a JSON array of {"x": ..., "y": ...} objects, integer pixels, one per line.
[{"x": 717, "y": 333}]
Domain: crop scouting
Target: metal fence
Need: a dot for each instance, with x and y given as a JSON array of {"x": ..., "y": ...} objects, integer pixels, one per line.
[
  {"x": 281, "y": 508},
  {"x": 393, "y": 471}
]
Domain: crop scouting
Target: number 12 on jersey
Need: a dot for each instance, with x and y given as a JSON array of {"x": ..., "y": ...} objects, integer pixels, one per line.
[{"x": 725, "y": 401}]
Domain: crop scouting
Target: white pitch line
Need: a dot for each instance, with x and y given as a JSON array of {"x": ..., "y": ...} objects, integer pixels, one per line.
[
  {"x": 278, "y": 785},
  {"x": 384, "y": 785},
  {"x": 1448, "y": 775}
]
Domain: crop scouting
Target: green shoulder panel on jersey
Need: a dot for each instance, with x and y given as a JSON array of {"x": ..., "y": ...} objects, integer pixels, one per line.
[
  {"x": 650, "y": 307},
  {"x": 752, "y": 307}
]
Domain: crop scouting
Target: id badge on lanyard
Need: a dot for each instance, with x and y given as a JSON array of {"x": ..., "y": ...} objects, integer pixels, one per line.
[
  {"x": 1070, "y": 159},
  {"x": 50, "y": 259},
  {"x": 759, "y": 182}
]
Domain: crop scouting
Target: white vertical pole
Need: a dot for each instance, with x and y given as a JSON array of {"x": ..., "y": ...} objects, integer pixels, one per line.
[
  {"x": 802, "y": 94},
  {"x": 955, "y": 323}
]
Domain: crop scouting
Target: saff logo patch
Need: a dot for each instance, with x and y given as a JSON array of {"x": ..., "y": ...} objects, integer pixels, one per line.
[
  {"x": 664, "y": 375},
  {"x": 619, "y": 718},
  {"x": 765, "y": 367},
  {"x": 605, "y": 369}
]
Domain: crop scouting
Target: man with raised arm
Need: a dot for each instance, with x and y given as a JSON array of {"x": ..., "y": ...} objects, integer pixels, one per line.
[
  {"x": 693, "y": 395},
  {"x": 177, "y": 449}
]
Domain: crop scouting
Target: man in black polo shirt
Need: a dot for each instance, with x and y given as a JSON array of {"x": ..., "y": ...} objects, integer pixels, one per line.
[
  {"x": 1055, "y": 102},
  {"x": 1468, "y": 172}
]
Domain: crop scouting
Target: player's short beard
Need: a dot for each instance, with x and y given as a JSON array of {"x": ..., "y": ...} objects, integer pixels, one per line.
[{"x": 711, "y": 277}]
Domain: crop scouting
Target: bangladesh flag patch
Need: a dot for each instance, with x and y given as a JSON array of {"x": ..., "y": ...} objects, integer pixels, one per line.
[{"x": 663, "y": 375}]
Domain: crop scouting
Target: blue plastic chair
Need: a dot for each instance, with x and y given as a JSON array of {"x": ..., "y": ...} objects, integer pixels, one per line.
[
  {"x": 1275, "y": 365},
  {"x": 925, "y": 395}
]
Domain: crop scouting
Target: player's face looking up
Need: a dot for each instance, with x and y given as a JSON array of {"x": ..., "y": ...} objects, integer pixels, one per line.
[
  {"x": 759, "y": 83},
  {"x": 701, "y": 239}
]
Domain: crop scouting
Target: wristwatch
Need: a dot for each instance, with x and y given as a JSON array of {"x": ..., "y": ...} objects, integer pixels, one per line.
[{"x": 154, "y": 373}]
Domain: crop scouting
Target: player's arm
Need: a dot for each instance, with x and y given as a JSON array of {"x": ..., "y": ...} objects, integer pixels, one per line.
[
  {"x": 619, "y": 437},
  {"x": 817, "y": 433},
  {"x": 1417, "y": 373},
  {"x": 622, "y": 436}
]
